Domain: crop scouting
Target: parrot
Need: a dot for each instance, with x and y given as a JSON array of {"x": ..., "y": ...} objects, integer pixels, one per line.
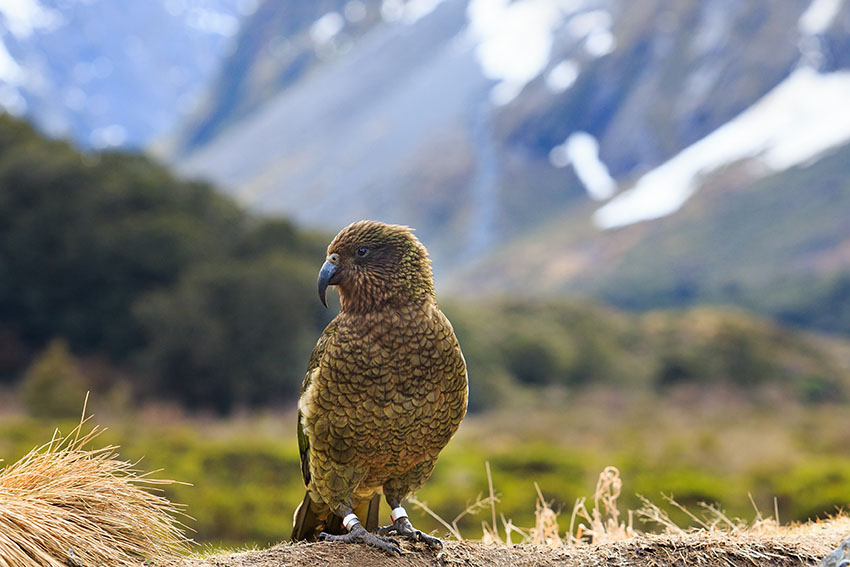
[{"x": 386, "y": 388}]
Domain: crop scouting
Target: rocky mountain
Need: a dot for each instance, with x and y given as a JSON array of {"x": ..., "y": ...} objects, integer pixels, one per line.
[
  {"x": 645, "y": 152},
  {"x": 353, "y": 137},
  {"x": 544, "y": 146},
  {"x": 276, "y": 48},
  {"x": 721, "y": 176},
  {"x": 112, "y": 73}
]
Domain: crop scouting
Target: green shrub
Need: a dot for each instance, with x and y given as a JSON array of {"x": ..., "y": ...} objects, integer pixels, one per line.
[{"x": 53, "y": 386}]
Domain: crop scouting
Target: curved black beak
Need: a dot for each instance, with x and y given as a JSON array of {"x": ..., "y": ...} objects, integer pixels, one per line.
[{"x": 326, "y": 275}]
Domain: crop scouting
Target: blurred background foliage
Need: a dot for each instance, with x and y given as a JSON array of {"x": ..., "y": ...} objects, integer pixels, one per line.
[
  {"x": 195, "y": 301},
  {"x": 243, "y": 478},
  {"x": 154, "y": 276}
]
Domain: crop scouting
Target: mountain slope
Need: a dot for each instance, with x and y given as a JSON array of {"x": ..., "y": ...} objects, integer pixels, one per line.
[
  {"x": 517, "y": 136},
  {"x": 317, "y": 145},
  {"x": 738, "y": 239},
  {"x": 111, "y": 73},
  {"x": 274, "y": 49}
]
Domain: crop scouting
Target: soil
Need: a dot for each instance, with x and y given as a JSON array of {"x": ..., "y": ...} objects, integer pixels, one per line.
[{"x": 802, "y": 545}]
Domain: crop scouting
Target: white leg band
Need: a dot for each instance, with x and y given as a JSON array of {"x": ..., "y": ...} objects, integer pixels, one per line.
[
  {"x": 349, "y": 521},
  {"x": 398, "y": 513}
]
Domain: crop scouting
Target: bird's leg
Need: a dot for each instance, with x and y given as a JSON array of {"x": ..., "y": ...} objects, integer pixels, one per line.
[
  {"x": 358, "y": 534},
  {"x": 402, "y": 527}
]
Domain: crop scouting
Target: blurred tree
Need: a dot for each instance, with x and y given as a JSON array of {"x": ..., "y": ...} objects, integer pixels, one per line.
[
  {"x": 819, "y": 303},
  {"x": 676, "y": 367},
  {"x": 233, "y": 334},
  {"x": 281, "y": 235},
  {"x": 82, "y": 236},
  {"x": 736, "y": 354},
  {"x": 530, "y": 361},
  {"x": 53, "y": 386}
]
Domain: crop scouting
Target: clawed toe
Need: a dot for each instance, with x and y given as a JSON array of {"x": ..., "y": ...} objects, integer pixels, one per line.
[
  {"x": 403, "y": 528},
  {"x": 432, "y": 541},
  {"x": 359, "y": 535}
]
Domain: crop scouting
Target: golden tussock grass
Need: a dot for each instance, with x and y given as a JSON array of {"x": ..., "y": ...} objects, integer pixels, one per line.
[
  {"x": 65, "y": 505},
  {"x": 601, "y": 522}
]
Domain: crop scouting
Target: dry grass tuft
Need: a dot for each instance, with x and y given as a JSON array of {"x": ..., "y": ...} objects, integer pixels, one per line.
[
  {"x": 479, "y": 504},
  {"x": 714, "y": 539},
  {"x": 545, "y": 530},
  {"x": 63, "y": 505},
  {"x": 711, "y": 519},
  {"x": 602, "y": 524}
]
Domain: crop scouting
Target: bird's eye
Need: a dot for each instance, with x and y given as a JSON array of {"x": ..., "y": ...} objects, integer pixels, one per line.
[{"x": 362, "y": 251}]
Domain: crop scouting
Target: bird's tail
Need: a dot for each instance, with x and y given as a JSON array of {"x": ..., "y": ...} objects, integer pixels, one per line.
[{"x": 312, "y": 517}]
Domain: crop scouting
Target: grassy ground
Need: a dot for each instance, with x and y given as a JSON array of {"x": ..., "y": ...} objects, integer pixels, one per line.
[{"x": 752, "y": 459}]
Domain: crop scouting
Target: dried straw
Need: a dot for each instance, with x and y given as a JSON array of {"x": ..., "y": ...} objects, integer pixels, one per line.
[
  {"x": 62, "y": 505},
  {"x": 603, "y": 523}
]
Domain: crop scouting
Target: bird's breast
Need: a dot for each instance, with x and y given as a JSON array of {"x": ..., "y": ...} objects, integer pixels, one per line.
[{"x": 399, "y": 371}]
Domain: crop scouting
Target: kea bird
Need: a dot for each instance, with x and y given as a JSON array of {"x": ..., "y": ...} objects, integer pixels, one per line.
[{"x": 385, "y": 389}]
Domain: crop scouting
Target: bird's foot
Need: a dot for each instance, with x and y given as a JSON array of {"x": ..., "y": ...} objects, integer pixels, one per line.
[
  {"x": 403, "y": 528},
  {"x": 358, "y": 534}
]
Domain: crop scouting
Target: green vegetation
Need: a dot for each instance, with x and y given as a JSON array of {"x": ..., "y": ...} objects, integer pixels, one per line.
[
  {"x": 245, "y": 478},
  {"x": 245, "y": 327},
  {"x": 53, "y": 386},
  {"x": 530, "y": 347},
  {"x": 167, "y": 280}
]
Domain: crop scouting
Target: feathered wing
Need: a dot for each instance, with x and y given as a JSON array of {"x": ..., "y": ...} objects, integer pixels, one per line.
[
  {"x": 310, "y": 515},
  {"x": 315, "y": 362},
  {"x": 307, "y": 518}
]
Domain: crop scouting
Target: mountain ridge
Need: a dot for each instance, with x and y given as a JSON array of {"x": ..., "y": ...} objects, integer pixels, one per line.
[
  {"x": 539, "y": 147},
  {"x": 111, "y": 74},
  {"x": 626, "y": 89}
]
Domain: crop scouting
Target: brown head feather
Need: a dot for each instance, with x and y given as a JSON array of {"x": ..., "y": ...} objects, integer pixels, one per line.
[{"x": 380, "y": 265}]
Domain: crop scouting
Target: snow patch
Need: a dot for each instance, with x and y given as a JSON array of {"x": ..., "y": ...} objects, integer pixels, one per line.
[
  {"x": 10, "y": 72},
  {"x": 818, "y": 16},
  {"x": 595, "y": 28},
  {"x": 417, "y": 9},
  {"x": 11, "y": 100},
  {"x": 562, "y": 76},
  {"x": 813, "y": 117},
  {"x": 582, "y": 25},
  {"x": 800, "y": 118},
  {"x": 582, "y": 151},
  {"x": 109, "y": 136},
  {"x": 392, "y": 10},
  {"x": 407, "y": 12},
  {"x": 326, "y": 28},
  {"x": 213, "y": 22},
  {"x": 514, "y": 39},
  {"x": 355, "y": 11},
  {"x": 600, "y": 43},
  {"x": 198, "y": 16},
  {"x": 23, "y": 17}
]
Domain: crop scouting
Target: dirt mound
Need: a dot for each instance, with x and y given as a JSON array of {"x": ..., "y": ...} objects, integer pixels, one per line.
[{"x": 801, "y": 545}]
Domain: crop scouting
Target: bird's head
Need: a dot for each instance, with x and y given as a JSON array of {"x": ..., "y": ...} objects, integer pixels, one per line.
[{"x": 375, "y": 265}]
